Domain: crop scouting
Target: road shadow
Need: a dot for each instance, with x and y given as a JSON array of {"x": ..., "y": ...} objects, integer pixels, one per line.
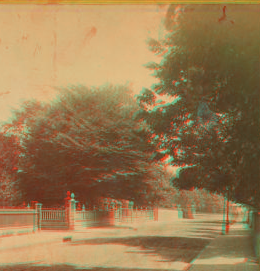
[
  {"x": 123, "y": 227},
  {"x": 232, "y": 266},
  {"x": 217, "y": 222},
  {"x": 170, "y": 249},
  {"x": 205, "y": 233}
]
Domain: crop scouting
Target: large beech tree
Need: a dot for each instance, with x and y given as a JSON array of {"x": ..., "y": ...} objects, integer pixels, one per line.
[{"x": 85, "y": 141}]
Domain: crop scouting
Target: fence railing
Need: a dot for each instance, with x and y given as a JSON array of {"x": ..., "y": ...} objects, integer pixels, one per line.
[
  {"x": 14, "y": 220},
  {"x": 36, "y": 218},
  {"x": 55, "y": 215},
  {"x": 112, "y": 216}
]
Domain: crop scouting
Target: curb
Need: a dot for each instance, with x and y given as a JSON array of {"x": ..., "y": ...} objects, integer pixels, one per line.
[{"x": 194, "y": 260}]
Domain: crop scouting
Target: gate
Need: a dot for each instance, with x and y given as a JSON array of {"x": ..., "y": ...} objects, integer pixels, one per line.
[{"x": 54, "y": 219}]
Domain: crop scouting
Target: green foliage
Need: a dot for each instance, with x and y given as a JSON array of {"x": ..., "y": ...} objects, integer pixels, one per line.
[
  {"x": 213, "y": 70},
  {"x": 162, "y": 192},
  {"x": 170, "y": 196},
  {"x": 85, "y": 141},
  {"x": 201, "y": 199},
  {"x": 9, "y": 157}
]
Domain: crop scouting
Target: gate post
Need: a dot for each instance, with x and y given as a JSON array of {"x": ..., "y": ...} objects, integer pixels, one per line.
[
  {"x": 157, "y": 213},
  {"x": 38, "y": 216},
  {"x": 131, "y": 206},
  {"x": 119, "y": 209},
  {"x": 72, "y": 208}
]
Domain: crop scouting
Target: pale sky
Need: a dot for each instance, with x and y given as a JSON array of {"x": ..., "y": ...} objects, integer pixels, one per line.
[{"x": 46, "y": 46}]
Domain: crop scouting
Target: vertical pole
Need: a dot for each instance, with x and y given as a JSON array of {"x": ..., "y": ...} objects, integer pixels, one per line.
[
  {"x": 83, "y": 212},
  {"x": 94, "y": 208},
  {"x": 127, "y": 210},
  {"x": 227, "y": 220},
  {"x": 224, "y": 216},
  {"x": 131, "y": 206},
  {"x": 35, "y": 218},
  {"x": 120, "y": 211}
]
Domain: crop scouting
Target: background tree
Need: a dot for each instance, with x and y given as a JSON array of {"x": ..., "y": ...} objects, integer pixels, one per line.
[
  {"x": 9, "y": 157},
  {"x": 209, "y": 74},
  {"x": 84, "y": 141}
]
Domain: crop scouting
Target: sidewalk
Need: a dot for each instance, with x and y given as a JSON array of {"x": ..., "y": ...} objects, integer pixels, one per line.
[{"x": 231, "y": 252}]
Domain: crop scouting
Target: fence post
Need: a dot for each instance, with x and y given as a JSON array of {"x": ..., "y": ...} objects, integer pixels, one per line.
[
  {"x": 127, "y": 210},
  {"x": 119, "y": 206},
  {"x": 131, "y": 206},
  {"x": 83, "y": 215},
  {"x": 38, "y": 216},
  {"x": 154, "y": 213},
  {"x": 113, "y": 209},
  {"x": 94, "y": 209},
  {"x": 72, "y": 207},
  {"x": 193, "y": 209}
]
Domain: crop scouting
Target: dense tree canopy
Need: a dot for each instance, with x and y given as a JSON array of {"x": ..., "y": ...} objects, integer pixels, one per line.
[
  {"x": 209, "y": 71},
  {"x": 85, "y": 141}
]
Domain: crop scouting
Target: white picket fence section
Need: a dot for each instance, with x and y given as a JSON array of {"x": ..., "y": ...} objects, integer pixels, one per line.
[
  {"x": 54, "y": 219},
  {"x": 53, "y": 215}
]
